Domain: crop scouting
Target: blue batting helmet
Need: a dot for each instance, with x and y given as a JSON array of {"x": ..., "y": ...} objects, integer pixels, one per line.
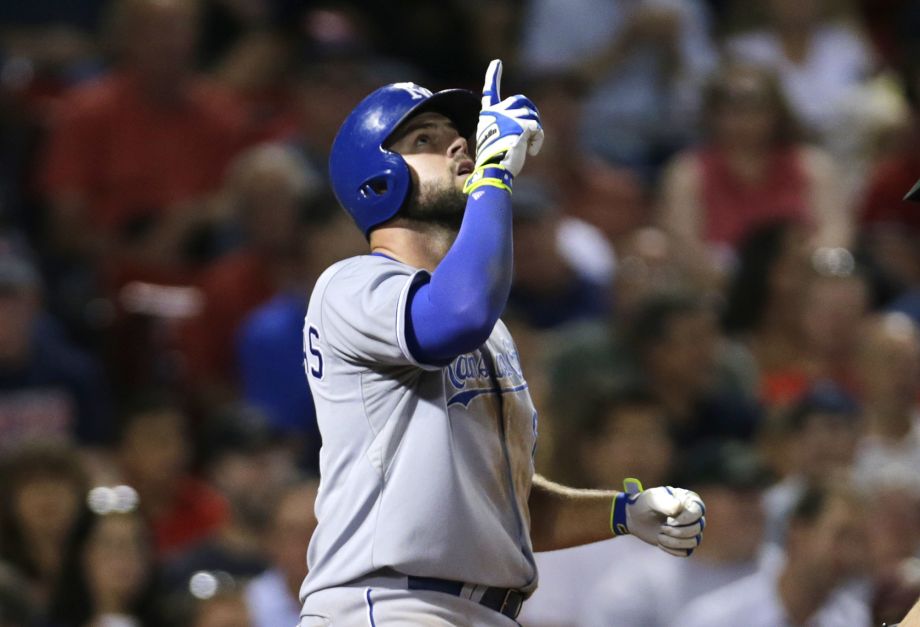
[{"x": 369, "y": 181}]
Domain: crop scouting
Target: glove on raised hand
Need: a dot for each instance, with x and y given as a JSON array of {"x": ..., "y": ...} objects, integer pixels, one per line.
[{"x": 508, "y": 129}]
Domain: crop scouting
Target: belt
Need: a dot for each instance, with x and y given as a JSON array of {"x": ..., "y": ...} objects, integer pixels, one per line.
[{"x": 506, "y": 601}]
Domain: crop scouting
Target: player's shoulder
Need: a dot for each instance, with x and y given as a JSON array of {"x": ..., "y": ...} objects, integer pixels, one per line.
[
  {"x": 351, "y": 277},
  {"x": 364, "y": 269}
]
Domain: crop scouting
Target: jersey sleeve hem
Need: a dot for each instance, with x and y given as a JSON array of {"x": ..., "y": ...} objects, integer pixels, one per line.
[{"x": 401, "y": 313}]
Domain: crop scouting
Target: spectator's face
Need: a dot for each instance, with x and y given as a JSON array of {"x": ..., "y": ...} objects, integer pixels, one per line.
[
  {"x": 293, "y": 526},
  {"x": 734, "y": 521},
  {"x": 633, "y": 443},
  {"x": 745, "y": 118},
  {"x": 248, "y": 480},
  {"x": 116, "y": 559},
  {"x": 834, "y": 309},
  {"x": 154, "y": 450},
  {"x": 17, "y": 315},
  {"x": 228, "y": 611},
  {"x": 46, "y": 506},
  {"x": 161, "y": 37},
  {"x": 826, "y": 443},
  {"x": 685, "y": 355}
]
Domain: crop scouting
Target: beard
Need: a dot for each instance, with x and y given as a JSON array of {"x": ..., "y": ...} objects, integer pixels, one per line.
[{"x": 439, "y": 206}]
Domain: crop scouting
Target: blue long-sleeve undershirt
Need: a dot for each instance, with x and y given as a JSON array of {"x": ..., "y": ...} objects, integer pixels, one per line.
[{"x": 455, "y": 311}]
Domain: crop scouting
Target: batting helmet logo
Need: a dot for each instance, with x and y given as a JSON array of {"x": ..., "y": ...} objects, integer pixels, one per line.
[{"x": 370, "y": 181}]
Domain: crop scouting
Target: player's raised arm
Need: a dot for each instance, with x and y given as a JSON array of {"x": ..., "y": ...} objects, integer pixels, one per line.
[{"x": 455, "y": 312}]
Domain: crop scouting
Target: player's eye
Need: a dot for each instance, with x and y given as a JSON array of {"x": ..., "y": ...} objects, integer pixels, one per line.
[{"x": 422, "y": 140}]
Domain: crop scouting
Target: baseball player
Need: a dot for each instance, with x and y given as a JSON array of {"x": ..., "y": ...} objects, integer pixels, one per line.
[{"x": 429, "y": 510}]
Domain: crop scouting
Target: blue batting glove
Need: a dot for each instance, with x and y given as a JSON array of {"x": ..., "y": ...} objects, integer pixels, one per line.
[{"x": 508, "y": 129}]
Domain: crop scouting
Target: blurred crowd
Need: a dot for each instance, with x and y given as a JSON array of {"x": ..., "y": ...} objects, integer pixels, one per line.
[{"x": 717, "y": 285}]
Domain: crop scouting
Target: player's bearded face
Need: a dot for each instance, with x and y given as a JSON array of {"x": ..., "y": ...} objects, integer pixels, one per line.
[{"x": 437, "y": 205}]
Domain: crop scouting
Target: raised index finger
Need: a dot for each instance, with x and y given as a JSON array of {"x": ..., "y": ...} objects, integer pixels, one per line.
[{"x": 492, "y": 86}]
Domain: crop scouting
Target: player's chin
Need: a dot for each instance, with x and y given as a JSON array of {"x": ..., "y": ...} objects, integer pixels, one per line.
[{"x": 460, "y": 181}]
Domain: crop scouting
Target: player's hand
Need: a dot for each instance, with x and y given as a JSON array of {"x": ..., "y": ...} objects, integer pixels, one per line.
[
  {"x": 508, "y": 129},
  {"x": 672, "y": 519}
]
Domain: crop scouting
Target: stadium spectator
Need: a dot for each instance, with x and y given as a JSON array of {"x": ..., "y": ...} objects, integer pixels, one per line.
[
  {"x": 752, "y": 170},
  {"x": 889, "y": 380},
  {"x": 837, "y": 301},
  {"x": 49, "y": 389},
  {"x": 813, "y": 439},
  {"x": 825, "y": 547},
  {"x": 243, "y": 462},
  {"x": 670, "y": 344},
  {"x": 653, "y": 592},
  {"x": 675, "y": 341},
  {"x": 154, "y": 455},
  {"x": 272, "y": 597},
  {"x": 42, "y": 487},
  {"x": 645, "y": 64},
  {"x": 765, "y": 300},
  {"x": 109, "y": 576},
  {"x": 259, "y": 70},
  {"x": 133, "y": 156},
  {"x": 271, "y": 191}
]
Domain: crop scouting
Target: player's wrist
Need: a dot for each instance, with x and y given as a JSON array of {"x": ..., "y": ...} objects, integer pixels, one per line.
[
  {"x": 489, "y": 175},
  {"x": 618, "y": 523}
]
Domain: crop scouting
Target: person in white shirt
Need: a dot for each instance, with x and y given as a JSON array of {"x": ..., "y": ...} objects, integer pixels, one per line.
[
  {"x": 816, "y": 436},
  {"x": 825, "y": 548},
  {"x": 889, "y": 379}
]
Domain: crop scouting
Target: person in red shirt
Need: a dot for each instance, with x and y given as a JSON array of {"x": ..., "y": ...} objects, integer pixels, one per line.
[
  {"x": 132, "y": 157},
  {"x": 289, "y": 229},
  {"x": 751, "y": 172}
]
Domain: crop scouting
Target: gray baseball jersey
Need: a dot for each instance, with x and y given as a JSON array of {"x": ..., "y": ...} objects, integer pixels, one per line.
[{"x": 424, "y": 469}]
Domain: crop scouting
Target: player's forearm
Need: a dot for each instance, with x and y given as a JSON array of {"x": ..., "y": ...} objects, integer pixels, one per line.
[
  {"x": 456, "y": 311},
  {"x": 563, "y": 517}
]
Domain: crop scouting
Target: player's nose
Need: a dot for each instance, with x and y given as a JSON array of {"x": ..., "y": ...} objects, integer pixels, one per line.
[{"x": 458, "y": 146}]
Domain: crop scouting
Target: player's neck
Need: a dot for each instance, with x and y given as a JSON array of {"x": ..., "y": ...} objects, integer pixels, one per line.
[{"x": 414, "y": 244}]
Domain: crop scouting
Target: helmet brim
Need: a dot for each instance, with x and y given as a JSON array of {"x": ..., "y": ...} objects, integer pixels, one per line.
[
  {"x": 460, "y": 106},
  {"x": 914, "y": 193}
]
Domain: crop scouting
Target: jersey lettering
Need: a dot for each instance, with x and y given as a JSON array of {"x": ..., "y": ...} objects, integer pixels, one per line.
[{"x": 313, "y": 335}]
